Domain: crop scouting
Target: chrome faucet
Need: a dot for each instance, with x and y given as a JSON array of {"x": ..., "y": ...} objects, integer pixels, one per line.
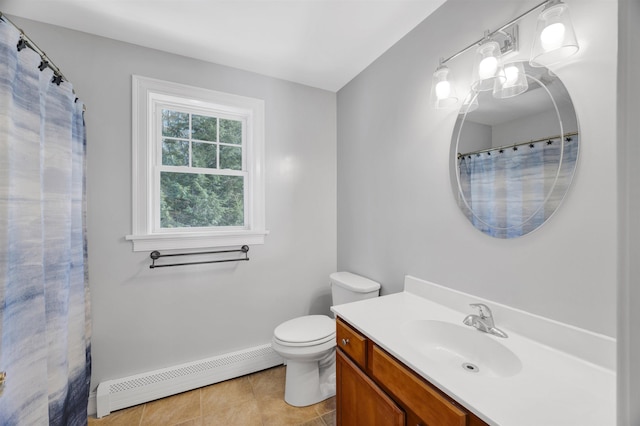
[{"x": 484, "y": 321}]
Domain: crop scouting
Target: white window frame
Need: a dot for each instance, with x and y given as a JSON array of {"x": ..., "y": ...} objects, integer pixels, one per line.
[{"x": 148, "y": 96}]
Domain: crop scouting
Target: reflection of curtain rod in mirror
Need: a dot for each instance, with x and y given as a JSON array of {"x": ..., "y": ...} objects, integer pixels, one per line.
[{"x": 515, "y": 145}]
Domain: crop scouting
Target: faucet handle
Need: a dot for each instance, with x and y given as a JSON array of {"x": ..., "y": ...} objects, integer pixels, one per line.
[{"x": 485, "y": 312}]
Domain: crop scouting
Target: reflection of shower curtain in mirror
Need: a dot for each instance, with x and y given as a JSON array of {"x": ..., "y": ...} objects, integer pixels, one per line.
[{"x": 505, "y": 190}]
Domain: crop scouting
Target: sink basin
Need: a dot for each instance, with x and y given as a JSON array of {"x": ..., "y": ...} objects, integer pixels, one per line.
[{"x": 462, "y": 348}]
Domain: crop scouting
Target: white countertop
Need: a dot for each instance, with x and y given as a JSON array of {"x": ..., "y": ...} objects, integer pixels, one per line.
[{"x": 553, "y": 387}]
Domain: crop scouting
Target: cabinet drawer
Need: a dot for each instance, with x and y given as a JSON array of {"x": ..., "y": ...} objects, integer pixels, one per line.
[
  {"x": 352, "y": 343},
  {"x": 419, "y": 397}
]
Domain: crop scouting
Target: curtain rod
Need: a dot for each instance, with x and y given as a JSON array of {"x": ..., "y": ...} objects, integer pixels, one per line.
[
  {"x": 515, "y": 145},
  {"x": 46, "y": 61}
]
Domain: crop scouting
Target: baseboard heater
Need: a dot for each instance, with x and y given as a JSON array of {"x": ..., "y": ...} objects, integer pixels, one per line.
[{"x": 133, "y": 390}]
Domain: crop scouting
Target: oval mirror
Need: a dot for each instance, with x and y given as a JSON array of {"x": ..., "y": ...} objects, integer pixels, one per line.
[{"x": 515, "y": 150}]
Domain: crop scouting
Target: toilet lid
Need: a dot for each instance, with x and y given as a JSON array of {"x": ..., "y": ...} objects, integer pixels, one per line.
[{"x": 305, "y": 329}]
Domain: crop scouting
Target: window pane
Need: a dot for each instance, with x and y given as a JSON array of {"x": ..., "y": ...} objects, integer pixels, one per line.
[
  {"x": 230, "y": 131},
  {"x": 204, "y": 155},
  {"x": 204, "y": 128},
  {"x": 175, "y": 153},
  {"x": 197, "y": 200},
  {"x": 175, "y": 124},
  {"x": 230, "y": 157}
]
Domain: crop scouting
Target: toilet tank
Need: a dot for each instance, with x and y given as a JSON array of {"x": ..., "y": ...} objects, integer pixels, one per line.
[{"x": 347, "y": 287}]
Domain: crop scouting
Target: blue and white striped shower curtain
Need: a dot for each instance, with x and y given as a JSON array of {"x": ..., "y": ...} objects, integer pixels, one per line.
[
  {"x": 44, "y": 309},
  {"x": 505, "y": 191}
]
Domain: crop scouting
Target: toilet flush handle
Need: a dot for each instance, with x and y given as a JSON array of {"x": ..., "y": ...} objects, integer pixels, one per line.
[{"x": 345, "y": 342}]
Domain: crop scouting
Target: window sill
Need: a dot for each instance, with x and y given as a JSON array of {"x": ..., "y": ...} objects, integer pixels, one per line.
[{"x": 186, "y": 241}]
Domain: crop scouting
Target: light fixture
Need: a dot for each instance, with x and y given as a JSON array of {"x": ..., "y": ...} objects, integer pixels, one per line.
[
  {"x": 514, "y": 84},
  {"x": 555, "y": 41},
  {"x": 487, "y": 67},
  {"x": 470, "y": 103},
  {"x": 443, "y": 91},
  {"x": 555, "y": 38}
]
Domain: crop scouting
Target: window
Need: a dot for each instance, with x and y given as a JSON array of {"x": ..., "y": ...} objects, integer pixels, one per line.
[
  {"x": 197, "y": 167},
  {"x": 200, "y": 170}
]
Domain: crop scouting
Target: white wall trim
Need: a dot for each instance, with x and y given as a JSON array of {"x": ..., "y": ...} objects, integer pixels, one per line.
[
  {"x": 116, "y": 394},
  {"x": 145, "y": 91}
]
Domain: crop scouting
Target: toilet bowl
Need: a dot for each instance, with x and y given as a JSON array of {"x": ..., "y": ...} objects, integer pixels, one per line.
[{"x": 308, "y": 344}]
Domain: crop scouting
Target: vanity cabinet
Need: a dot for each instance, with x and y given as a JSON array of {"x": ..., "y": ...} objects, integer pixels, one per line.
[{"x": 373, "y": 388}]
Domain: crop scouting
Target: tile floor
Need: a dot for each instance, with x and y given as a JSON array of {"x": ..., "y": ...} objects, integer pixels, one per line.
[{"x": 253, "y": 400}]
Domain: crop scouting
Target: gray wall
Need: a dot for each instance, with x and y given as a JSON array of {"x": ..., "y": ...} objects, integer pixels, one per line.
[
  {"x": 146, "y": 319},
  {"x": 397, "y": 214}
]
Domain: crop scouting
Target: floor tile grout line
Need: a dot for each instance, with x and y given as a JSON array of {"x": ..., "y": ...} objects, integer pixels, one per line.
[
  {"x": 255, "y": 398},
  {"x": 144, "y": 406}
]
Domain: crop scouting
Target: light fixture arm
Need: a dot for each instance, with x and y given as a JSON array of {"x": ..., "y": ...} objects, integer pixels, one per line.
[{"x": 490, "y": 34}]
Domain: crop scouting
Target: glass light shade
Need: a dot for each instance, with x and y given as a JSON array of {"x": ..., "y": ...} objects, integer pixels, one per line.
[
  {"x": 443, "y": 91},
  {"x": 514, "y": 84},
  {"x": 470, "y": 103},
  {"x": 555, "y": 38},
  {"x": 487, "y": 67}
]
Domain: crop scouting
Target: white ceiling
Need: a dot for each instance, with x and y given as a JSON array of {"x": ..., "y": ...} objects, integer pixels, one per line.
[{"x": 321, "y": 43}]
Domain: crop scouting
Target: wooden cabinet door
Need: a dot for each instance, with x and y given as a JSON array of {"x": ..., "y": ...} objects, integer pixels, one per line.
[
  {"x": 421, "y": 398},
  {"x": 360, "y": 401}
]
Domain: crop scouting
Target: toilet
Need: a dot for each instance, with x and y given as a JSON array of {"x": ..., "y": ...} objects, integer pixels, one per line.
[{"x": 308, "y": 343}]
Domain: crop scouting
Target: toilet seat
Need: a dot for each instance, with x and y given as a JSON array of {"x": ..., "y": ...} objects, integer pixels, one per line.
[
  {"x": 308, "y": 330},
  {"x": 329, "y": 338}
]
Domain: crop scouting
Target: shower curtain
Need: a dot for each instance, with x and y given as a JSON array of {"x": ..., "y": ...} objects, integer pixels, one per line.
[
  {"x": 44, "y": 310},
  {"x": 505, "y": 189}
]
